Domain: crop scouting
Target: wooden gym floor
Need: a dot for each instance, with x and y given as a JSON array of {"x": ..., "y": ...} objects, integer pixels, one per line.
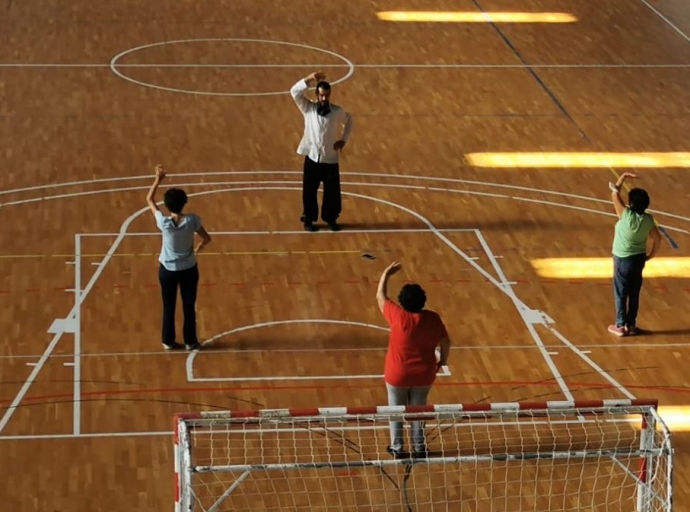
[{"x": 94, "y": 94}]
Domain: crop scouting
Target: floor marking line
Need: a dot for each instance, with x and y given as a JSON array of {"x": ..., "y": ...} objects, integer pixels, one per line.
[
  {"x": 321, "y": 233},
  {"x": 114, "y": 64},
  {"x": 299, "y": 173},
  {"x": 29, "y": 380},
  {"x": 95, "y": 65},
  {"x": 268, "y": 351},
  {"x": 125, "y": 226},
  {"x": 666, "y": 20},
  {"x": 189, "y": 364},
  {"x": 604, "y": 374},
  {"x": 76, "y": 386},
  {"x": 56, "y": 338},
  {"x": 526, "y": 317}
]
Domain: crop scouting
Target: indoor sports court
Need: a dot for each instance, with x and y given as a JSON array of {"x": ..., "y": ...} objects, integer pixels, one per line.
[{"x": 485, "y": 135}]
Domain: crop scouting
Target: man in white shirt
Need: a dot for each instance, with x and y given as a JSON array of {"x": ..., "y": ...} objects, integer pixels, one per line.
[{"x": 320, "y": 146}]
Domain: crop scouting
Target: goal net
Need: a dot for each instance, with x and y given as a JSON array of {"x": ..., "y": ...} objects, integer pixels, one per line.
[{"x": 612, "y": 455}]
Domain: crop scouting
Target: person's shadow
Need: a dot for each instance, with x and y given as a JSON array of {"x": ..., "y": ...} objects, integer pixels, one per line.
[{"x": 669, "y": 332}]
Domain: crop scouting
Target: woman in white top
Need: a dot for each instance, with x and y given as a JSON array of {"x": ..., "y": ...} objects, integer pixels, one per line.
[{"x": 178, "y": 268}]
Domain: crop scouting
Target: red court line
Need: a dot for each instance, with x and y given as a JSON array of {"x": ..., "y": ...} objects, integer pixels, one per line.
[
  {"x": 338, "y": 283},
  {"x": 312, "y": 387}
]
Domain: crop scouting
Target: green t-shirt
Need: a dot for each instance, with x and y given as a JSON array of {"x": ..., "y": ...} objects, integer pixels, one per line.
[{"x": 631, "y": 233}]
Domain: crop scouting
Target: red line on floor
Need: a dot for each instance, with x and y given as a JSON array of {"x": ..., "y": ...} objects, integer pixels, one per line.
[{"x": 103, "y": 393}]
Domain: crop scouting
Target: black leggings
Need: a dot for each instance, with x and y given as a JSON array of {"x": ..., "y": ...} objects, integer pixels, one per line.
[{"x": 188, "y": 282}]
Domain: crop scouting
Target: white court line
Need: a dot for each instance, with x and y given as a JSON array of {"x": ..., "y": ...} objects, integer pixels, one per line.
[
  {"x": 189, "y": 365},
  {"x": 666, "y": 20},
  {"x": 76, "y": 404},
  {"x": 562, "y": 205},
  {"x": 474, "y": 192},
  {"x": 273, "y": 378},
  {"x": 114, "y": 63},
  {"x": 71, "y": 315},
  {"x": 299, "y": 173},
  {"x": 120, "y": 236},
  {"x": 300, "y": 232},
  {"x": 384, "y": 185},
  {"x": 527, "y": 318},
  {"x": 29, "y": 380},
  {"x": 86, "y": 434},
  {"x": 603, "y": 373},
  {"x": 170, "y": 433},
  {"x": 108, "y": 256},
  {"x": 617, "y": 385},
  {"x": 364, "y": 66},
  {"x": 353, "y": 349}
]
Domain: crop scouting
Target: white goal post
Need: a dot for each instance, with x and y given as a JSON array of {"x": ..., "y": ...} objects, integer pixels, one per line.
[{"x": 613, "y": 455}]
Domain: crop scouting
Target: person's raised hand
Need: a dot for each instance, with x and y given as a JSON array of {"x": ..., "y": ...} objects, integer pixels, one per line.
[
  {"x": 393, "y": 268},
  {"x": 160, "y": 172}
]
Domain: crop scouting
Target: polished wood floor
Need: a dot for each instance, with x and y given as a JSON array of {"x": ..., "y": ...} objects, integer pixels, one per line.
[{"x": 94, "y": 94}]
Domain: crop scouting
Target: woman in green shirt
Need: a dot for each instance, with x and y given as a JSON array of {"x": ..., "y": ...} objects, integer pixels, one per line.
[{"x": 634, "y": 227}]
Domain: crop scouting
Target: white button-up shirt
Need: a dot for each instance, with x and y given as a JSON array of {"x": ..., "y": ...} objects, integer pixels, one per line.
[{"x": 320, "y": 132}]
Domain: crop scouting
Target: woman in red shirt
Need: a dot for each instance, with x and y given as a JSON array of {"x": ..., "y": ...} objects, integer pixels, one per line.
[{"x": 411, "y": 363}]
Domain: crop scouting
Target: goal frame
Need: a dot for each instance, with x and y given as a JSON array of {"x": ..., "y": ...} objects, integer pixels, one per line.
[{"x": 647, "y": 409}]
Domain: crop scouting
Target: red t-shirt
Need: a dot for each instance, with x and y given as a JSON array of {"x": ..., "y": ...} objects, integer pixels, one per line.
[{"x": 411, "y": 357}]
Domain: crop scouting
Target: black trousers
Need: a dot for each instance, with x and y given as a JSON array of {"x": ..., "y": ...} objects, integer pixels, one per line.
[
  {"x": 314, "y": 174},
  {"x": 627, "y": 284},
  {"x": 187, "y": 281}
]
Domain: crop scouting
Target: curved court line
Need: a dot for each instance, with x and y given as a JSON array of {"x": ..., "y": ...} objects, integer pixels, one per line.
[
  {"x": 505, "y": 288},
  {"x": 113, "y": 66},
  {"x": 125, "y": 226},
  {"x": 273, "y": 173},
  {"x": 189, "y": 364},
  {"x": 364, "y": 184},
  {"x": 89, "y": 286}
]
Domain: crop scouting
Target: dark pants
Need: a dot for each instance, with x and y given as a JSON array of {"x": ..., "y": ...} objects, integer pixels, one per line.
[
  {"x": 187, "y": 281},
  {"x": 627, "y": 283},
  {"x": 314, "y": 174}
]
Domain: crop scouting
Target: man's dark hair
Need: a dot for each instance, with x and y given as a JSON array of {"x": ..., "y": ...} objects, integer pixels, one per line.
[
  {"x": 175, "y": 199},
  {"x": 412, "y": 298},
  {"x": 323, "y": 85},
  {"x": 638, "y": 200}
]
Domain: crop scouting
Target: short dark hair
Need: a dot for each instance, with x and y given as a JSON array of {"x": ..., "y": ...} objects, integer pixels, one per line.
[
  {"x": 638, "y": 200},
  {"x": 175, "y": 199},
  {"x": 412, "y": 298},
  {"x": 323, "y": 85}
]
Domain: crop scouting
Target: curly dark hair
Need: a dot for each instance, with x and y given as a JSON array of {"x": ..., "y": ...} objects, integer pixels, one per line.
[
  {"x": 175, "y": 199},
  {"x": 412, "y": 298}
]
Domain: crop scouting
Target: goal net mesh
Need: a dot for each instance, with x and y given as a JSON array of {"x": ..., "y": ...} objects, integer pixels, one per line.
[{"x": 554, "y": 456}]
